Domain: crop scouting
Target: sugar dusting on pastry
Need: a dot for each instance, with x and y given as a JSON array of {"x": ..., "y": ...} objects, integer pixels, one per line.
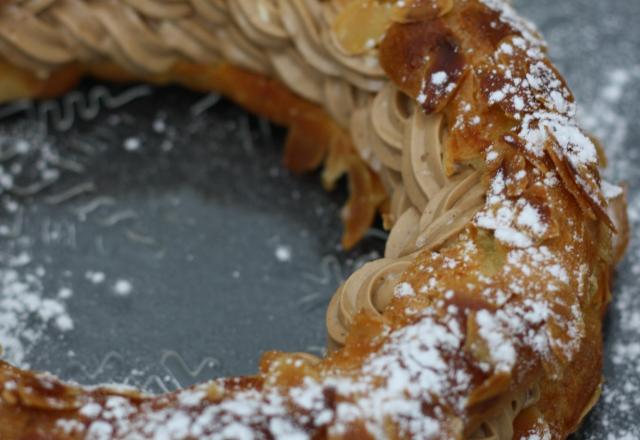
[
  {"x": 513, "y": 222},
  {"x": 414, "y": 356}
]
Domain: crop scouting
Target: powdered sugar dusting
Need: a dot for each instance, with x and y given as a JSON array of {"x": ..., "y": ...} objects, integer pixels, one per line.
[
  {"x": 529, "y": 90},
  {"x": 26, "y": 313},
  {"x": 403, "y": 289},
  {"x": 501, "y": 349},
  {"x": 412, "y": 356},
  {"x": 515, "y": 223},
  {"x": 34, "y": 291},
  {"x": 509, "y": 15}
]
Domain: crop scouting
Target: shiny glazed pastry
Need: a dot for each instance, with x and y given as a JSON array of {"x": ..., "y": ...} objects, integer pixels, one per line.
[{"x": 482, "y": 321}]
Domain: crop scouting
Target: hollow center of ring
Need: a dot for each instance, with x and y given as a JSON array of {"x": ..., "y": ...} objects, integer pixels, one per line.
[{"x": 166, "y": 245}]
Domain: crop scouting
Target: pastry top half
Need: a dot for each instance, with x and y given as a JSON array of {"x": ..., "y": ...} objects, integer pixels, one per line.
[{"x": 482, "y": 321}]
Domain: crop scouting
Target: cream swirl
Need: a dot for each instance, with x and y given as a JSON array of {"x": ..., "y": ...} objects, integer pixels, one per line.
[
  {"x": 370, "y": 289},
  {"x": 427, "y": 207}
]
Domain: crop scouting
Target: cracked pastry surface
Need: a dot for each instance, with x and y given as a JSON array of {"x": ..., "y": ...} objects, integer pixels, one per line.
[{"x": 482, "y": 321}]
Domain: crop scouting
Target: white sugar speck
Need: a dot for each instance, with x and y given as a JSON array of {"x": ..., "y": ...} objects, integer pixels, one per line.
[
  {"x": 610, "y": 191},
  {"x": 283, "y": 253},
  {"x": 64, "y": 322},
  {"x": 439, "y": 78},
  {"x": 95, "y": 277},
  {"x": 159, "y": 126},
  {"x": 90, "y": 410},
  {"x": 122, "y": 287},
  {"x": 403, "y": 289},
  {"x": 65, "y": 293},
  {"x": 132, "y": 144}
]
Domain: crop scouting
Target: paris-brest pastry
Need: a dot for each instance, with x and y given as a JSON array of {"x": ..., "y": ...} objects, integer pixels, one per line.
[{"x": 484, "y": 318}]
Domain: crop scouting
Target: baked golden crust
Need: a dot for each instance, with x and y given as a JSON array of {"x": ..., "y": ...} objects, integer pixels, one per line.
[{"x": 496, "y": 327}]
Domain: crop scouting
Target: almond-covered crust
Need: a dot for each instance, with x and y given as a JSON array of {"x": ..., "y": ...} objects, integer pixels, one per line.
[{"x": 483, "y": 320}]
